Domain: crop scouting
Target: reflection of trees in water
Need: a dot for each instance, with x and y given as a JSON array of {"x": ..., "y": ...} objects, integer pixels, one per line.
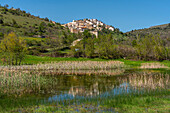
[
  {"x": 131, "y": 82},
  {"x": 94, "y": 90},
  {"x": 86, "y": 85}
]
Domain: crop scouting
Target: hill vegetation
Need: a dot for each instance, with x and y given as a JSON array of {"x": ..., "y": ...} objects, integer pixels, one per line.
[
  {"x": 162, "y": 30},
  {"x": 45, "y": 37},
  {"x": 38, "y": 32}
]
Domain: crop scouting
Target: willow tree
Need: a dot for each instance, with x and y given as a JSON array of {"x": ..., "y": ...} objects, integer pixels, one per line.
[{"x": 12, "y": 49}]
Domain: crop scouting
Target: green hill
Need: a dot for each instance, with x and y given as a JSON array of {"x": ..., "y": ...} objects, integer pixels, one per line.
[
  {"x": 43, "y": 36},
  {"x": 47, "y": 38},
  {"x": 25, "y": 24},
  {"x": 162, "y": 30}
]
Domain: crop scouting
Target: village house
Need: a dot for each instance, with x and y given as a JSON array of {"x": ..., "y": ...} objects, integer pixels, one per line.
[
  {"x": 87, "y": 24},
  {"x": 53, "y": 22}
]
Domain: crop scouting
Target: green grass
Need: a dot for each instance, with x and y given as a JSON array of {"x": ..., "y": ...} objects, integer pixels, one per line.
[
  {"x": 37, "y": 59},
  {"x": 139, "y": 103},
  {"x": 138, "y": 63},
  {"x": 65, "y": 51},
  {"x": 30, "y": 60},
  {"x": 32, "y": 38},
  {"x": 21, "y": 20}
]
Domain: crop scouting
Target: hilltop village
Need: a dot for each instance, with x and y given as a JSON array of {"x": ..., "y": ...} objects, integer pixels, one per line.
[{"x": 93, "y": 25}]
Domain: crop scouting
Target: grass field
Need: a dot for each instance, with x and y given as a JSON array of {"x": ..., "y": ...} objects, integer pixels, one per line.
[
  {"x": 36, "y": 59},
  {"x": 32, "y": 38}
]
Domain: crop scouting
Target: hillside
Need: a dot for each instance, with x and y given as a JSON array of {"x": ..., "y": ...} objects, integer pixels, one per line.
[
  {"x": 77, "y": 39},
  {"x": 43, "y": 36},
  {"x": 25, "y": 24},
  {"x": 162, "y": 30}
]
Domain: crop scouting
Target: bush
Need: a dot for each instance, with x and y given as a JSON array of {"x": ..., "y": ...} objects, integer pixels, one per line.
[
  {"x": 1, "y": 21},
  {"x": 1, "y": 34},
  {"x": 34, "y": 52}
]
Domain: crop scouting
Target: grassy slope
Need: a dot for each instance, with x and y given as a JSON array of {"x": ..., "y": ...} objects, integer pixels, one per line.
[
  {"x": 21, "y": 20},
  {"x": 28, "y": 24}
]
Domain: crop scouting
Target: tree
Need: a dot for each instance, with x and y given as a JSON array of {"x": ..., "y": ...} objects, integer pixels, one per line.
[
  {"x": 89, "y": 49},
  {"x": 13, "y": 49},
  {"x": 1, "y": 21},
  {"x": 14, "y": 23},
  {"x": 42, "y": 27},
  {"x": 6, "y": 6},
  {"x": 46, "y": 19},
  {"x": 169, "y": 25},
  {"x": 1, "y": 34},
  {"x": 106, "y": 47}
]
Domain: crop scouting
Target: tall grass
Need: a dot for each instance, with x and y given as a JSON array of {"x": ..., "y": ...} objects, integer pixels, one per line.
[
  {"x": 84, "y": 72},
  {"x": 70, "y": 65},
  {"x": 14, "y": 82},
  {"x": 152, "y": 66}
]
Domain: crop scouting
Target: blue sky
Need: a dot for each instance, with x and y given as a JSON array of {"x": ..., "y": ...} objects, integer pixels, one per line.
[{"x": 123, "y": 14}]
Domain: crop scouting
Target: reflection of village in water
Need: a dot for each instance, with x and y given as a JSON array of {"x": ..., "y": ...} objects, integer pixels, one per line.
[{"x": 91, "y": 86}]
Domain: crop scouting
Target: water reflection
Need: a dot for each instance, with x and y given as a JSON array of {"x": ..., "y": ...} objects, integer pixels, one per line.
[{"x": 92, "y": 86}]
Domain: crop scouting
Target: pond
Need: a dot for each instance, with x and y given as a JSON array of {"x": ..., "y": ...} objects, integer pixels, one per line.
[
  {"x": 88, "y": 85},
  {"x": 102, "y": 85}
]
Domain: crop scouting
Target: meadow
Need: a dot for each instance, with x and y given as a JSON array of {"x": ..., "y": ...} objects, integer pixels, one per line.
[{"x": 30, "y": 60}]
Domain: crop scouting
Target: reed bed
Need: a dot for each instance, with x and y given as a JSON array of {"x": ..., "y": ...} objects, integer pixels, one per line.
[
  {"x": 24, "y": 79},
  {"x": 84, "y": 72},
  {"x": 152, "y": 66},
  {"x": 13, "y": 82},
  {"x": 70, "y": 65},
  {"x": 146, "y": 80}
]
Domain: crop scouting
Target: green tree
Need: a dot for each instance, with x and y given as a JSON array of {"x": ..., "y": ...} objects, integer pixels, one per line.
[
  {"x": 89, "y": 49},
  {"x": 1, "y": 21},
  {"x": 151, "y": 47},
  {"x": 77, "y": 50},
  {"x": 13, "y": 49},
  {"x": 42, "y": 27},
  {"x": 46, "y": 19},
  {"x": 106, "y": 48}
]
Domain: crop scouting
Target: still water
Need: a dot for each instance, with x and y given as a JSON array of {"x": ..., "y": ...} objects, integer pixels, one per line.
[
  {"x": 92, "y": 84},
  {"x": 83, "y": 86}
]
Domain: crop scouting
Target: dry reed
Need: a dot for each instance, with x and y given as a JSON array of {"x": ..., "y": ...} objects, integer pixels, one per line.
[{"x": 152, "y": 66}]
